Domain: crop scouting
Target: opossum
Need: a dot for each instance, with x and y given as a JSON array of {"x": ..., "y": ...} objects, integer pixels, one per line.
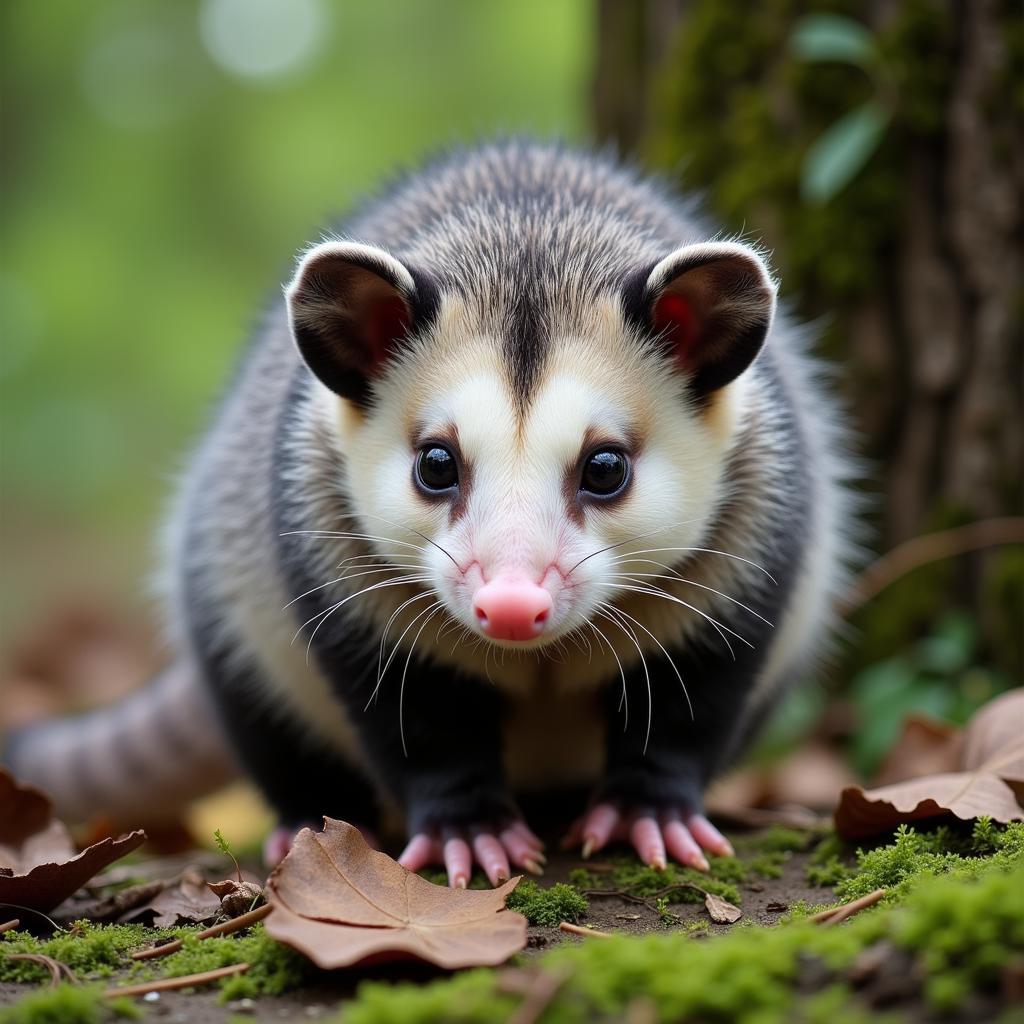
[{"x": 525, "y": 484}]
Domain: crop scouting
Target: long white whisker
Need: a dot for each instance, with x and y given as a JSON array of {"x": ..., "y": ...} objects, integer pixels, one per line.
[
  {"x": 716, "y": 625},
  {"x": 352, "y": 576},
  {"x": 667, "y": 655},
  {"x": 624, "y": 703},
  {"x": 624, "y": 626},
  {"x": 394, "y": 650},
  {"x": 422, "y": 536},
  {"x": 706, "y": 551},
  {"x": 629, "y": 540},
  {"x": 380, "y": 585},
  {"x": 401, "y": 688},
  {"x": 345, "y": 535},
  {"x": 384, "y": 636},
  {"x": 639, "y": 576}
]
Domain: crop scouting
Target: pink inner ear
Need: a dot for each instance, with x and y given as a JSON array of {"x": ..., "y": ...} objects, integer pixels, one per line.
[
  {"x": 674, "y": 317},
  {"x": 386, "y": 321}
]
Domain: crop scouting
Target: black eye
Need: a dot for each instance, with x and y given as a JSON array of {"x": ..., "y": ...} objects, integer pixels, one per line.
[
  {"x": 436, "y": 469},
  {"x": 605, "y": 473}
]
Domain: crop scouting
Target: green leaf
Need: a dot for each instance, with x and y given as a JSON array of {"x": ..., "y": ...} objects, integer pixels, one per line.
[
  {"x": 833, "y": 37},
  {"x": 834, "y": 160}
]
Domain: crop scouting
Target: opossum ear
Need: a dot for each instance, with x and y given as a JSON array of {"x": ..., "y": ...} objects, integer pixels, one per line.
[
  {"x": 713, "y": 304},
  {"x": 349, "y": 305}
]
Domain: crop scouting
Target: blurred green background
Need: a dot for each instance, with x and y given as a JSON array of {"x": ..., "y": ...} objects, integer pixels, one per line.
[{"x": 162, "y": 161}]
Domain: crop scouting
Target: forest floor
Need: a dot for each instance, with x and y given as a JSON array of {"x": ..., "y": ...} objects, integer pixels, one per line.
[{"x": 764, "y": 900}]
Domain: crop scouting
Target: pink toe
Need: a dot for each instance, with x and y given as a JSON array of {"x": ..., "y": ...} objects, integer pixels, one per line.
[
  {"x": 420, "y": 851},
  {"x": 458, "y": 861},
  {"x": 490, "y": 855},
  {"x": 708, "y": 837},
  {"x": 645, "y": 835},
  {"x": 598, "y": 826},
  {"x": 520, "y": 852},
  {"x": 682, "y": 845},
  {"x": 527, "y": 833},
  {"x": 277, "y": 845}
]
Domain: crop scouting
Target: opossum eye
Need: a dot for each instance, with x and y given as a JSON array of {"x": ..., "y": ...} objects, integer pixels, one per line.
[
  {"x": 436, "y": 468},
  {"x": 605, "y": 473}
]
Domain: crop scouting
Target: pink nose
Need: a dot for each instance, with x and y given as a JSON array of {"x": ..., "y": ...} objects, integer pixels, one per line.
[{"x": 512, "y": 610}]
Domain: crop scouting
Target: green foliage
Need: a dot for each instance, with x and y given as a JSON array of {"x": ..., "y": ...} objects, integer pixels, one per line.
[
  {"x": 69, "y": 1004},
  {"x": 225, "y": 848},
  {"x": 913, "y": 856},
  {"x": 549, "y": 906},
  {"x": 935, "y": 676},
  {"x": 833, "y": 37}
]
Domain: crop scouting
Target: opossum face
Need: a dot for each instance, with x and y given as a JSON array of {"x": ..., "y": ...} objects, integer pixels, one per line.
[{"x": 526, "y": 511}]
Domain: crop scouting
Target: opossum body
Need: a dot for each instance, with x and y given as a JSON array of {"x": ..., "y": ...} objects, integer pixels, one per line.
[{"x": 524, "y": 485}]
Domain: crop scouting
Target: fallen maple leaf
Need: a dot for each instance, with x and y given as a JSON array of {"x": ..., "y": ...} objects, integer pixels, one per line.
[
  {"x": 39, "y": 868},
  {"x": 340, "y": 903},
  {"x": 993, "y": 763}
]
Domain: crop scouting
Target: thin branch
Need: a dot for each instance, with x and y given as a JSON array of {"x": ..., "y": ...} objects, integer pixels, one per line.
[
  {"x": 225, "y": 928},
  {"x": 932, "y": 547},
  {"x": 590, "y": 933},
  {"x": 55, "y": 967},
  {"x": 8, "y": 926},
  {"x": 169, "y": 984},
  {"x": 836, "y": 914}
]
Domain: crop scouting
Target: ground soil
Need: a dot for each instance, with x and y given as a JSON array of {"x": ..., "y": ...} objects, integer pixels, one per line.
[{"x": 763, "y": 901}]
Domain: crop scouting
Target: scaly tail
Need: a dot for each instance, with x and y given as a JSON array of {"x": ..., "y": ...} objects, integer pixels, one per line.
[{"x": 135, "y": 762}]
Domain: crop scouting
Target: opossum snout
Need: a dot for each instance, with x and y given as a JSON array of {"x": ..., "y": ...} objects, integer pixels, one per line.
[{"x": 509, "y": 609}]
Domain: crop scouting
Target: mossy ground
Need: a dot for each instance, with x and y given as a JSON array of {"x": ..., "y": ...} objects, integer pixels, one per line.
[{"x": 953, "y": 924}]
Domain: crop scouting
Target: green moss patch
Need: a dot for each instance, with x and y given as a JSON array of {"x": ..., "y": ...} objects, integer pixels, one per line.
[
  {"x": 548, "y": 907},
  {"x": 69, "y": 1004},
  {"x": 954, "y": 935}
]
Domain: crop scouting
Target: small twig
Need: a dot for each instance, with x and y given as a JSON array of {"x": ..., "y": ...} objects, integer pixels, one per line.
[
  {"x": 169, "y": 984},
  {"x": 224, "y": 928},
  {"x": 932, "y": 547},
  {"x": 836, "y": 914},
  {"x": 55, "y": 967},
  {"x": 591, "y": 933},
  {"x": 8, "y": 926},
  {"x": 543, "y": 988}
]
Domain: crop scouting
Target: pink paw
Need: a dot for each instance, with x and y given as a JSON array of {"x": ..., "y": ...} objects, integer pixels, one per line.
[
  {"x": 458, "y": 849},
  {"x": 655, "y": 835},
  {"x": 279, "y": 842}
]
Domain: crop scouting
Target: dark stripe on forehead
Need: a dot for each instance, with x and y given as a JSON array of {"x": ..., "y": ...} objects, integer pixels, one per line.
[{"x": 526, "y": 331}]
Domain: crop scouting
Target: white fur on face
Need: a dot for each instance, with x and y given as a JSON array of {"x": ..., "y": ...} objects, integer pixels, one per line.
[{"x": 517, "y": 521}]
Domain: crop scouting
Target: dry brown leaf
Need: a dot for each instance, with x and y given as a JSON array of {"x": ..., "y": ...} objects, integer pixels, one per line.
[
  {"x": 38, "y": 865},
  {"x": 341, "y": 903},
  {"x": 721, "y": 911},
  {"x": 996, "y": 735},
  {"x": 925, "y": 747},
  {"x": 994, "y": 761},
  {"x": 186, "y": 901}
]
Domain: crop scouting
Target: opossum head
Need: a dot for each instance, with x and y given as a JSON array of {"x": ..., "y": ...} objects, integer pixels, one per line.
[{"x": 529, "y": 465}]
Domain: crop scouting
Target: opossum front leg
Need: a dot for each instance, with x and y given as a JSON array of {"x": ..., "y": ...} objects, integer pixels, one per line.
[
  {"x": 434, "y": 742},
  {"x": 657, "y": 768}
]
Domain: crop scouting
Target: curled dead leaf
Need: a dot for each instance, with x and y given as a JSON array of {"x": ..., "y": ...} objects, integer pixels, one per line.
[
  {"x": 341, "y": 903},
  {"x": 992, "y": 764},
  {"x": 39, "y": 868}
]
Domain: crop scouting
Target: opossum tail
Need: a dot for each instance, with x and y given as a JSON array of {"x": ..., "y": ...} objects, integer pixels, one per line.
[{"x": 135, "y": 762}]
